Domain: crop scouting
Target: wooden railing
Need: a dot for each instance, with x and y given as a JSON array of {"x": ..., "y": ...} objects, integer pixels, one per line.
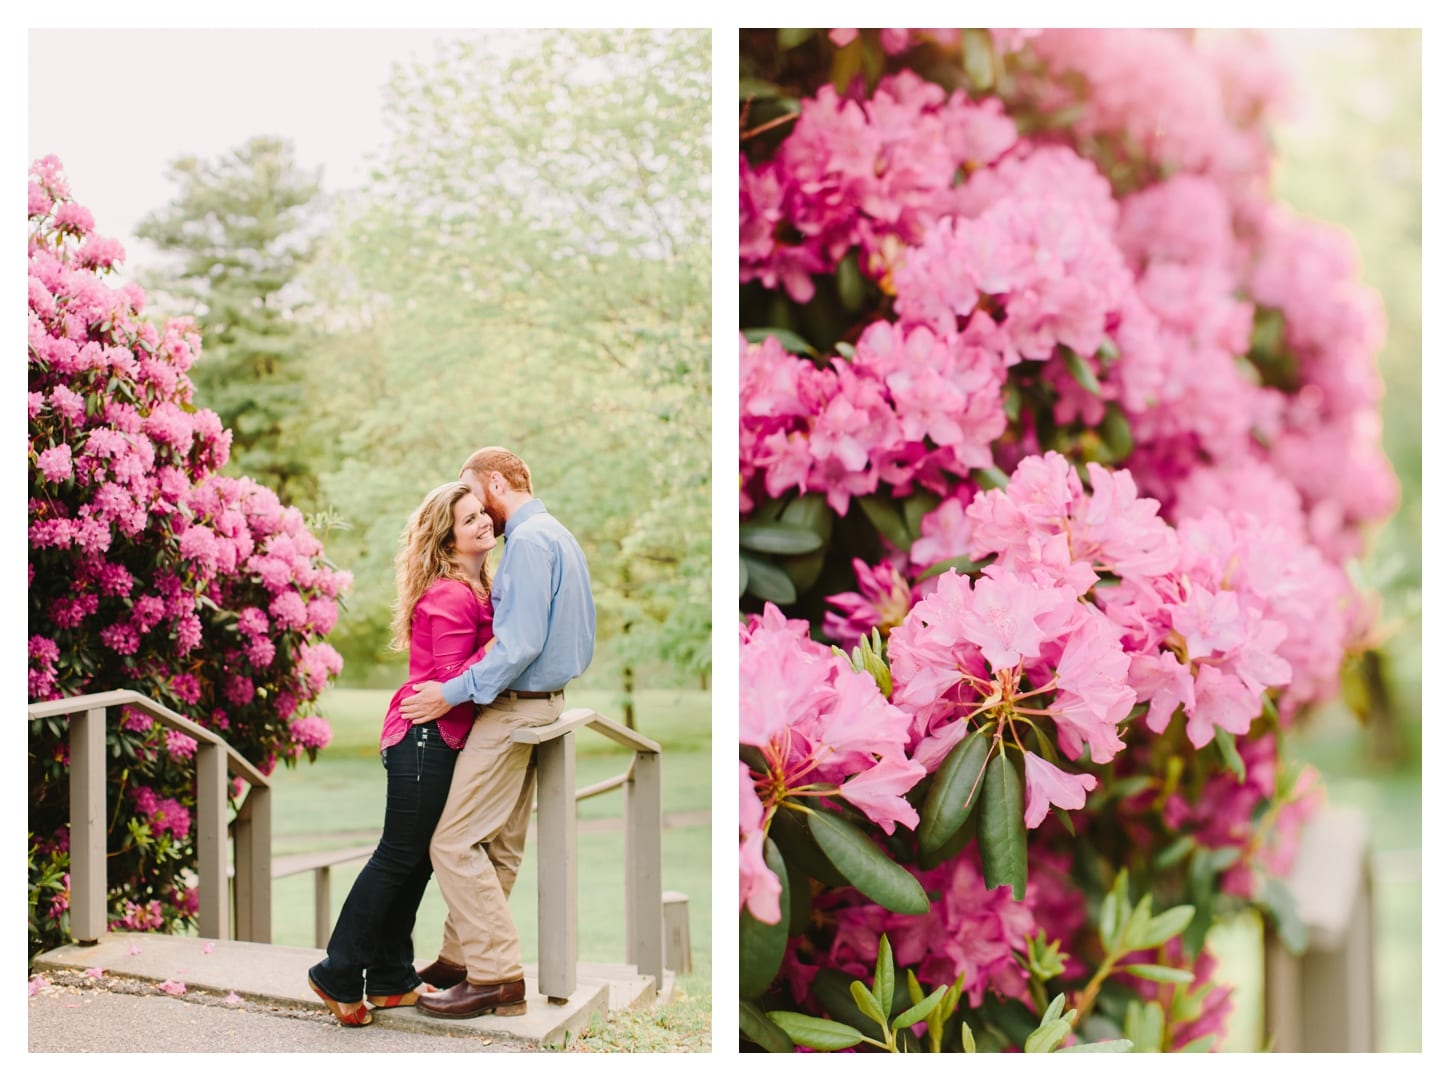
[
  {"x": 558, "y": 842},
  {"x": 253, "y": 868},
  {"x": 214, "y": 760},
  {"x": 1323, "y": 998}
]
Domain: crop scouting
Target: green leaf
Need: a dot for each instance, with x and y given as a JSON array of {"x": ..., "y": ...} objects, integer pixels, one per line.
[
  {"x": 832, "y": 989},
  {"x": 1226, "y": 747},
  {"x": 762, "y": 1031},
  {"x": 969, "y": 1043},
  {"x": 809, "y": 511},
  {"x": 920, "y": 1011},
  {"x": 989, "y": 477},
  {"x": 791, "y": 38},
  {"x": 1101, "y": 1045},
  {"x": 753, "y": 88},
  {"x": 1274, "y": 895},
  {"x": 916, "y": 507},
  {"x": 1080, "y": 371},
  {"x": 1047, "y": 1037},
  {"x": 1012, "y": 402},
  {"x": 954, "y": 790},
  {"x": 979, "y": 59},
  {"x": 1137, "y": 924},
  {"x": 1162, "y": 927},
  {"x": 865, "y": 866},
  {"x": 1174, "y": 853},
  {"x": 885, "y": 983},
  {"x": 960, "y": 564},
  {"x": 886, "y": 515},
  {"x": 866, "y": 1002},
  {"x": 768, "y": 582},
  {"x": 817, "y": 1033},
  {"x": 762, "y": 945},
  {"x": 788, "y": 829},
  {"x": 1115, "y": 911},
  {"x": 744, "y": 577},
  {"x": 1117, "y": 433},
  {"x": 779, "y": 539},
  {"x": 1143, "y": 1024},
  {"x": 1001, "y": 829},
  {"x": 851, "y": 283},
  {"x": 1054, "y": 1009},
  {"x": 789, "y": 339},
  {"x": 1160, "y": 973}
]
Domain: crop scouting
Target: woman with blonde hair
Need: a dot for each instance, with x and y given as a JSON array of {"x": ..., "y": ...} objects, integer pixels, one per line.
[{"x": 444, "y": 619}]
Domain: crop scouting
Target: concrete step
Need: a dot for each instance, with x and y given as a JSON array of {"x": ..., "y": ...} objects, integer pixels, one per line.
[{"x": 276, "y": 976}]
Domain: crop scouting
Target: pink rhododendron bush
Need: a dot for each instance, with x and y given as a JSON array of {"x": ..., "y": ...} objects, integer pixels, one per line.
[
  {"x": 1057, "y": 436},
  {"x": 150, "y": 571}
]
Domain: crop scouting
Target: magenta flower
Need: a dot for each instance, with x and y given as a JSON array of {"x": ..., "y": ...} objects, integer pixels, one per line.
[{"x": 882, "y": 604}]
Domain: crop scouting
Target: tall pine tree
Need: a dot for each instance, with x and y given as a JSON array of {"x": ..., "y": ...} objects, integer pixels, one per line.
[{"x": 240, "y": 232}]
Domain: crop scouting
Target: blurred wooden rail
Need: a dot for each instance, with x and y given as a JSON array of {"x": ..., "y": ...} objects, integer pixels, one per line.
[{"x": 1324, "y": 999}]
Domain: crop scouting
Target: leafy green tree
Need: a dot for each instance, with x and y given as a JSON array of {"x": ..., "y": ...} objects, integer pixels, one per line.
[
  {"x": 239, "y": 234},
  {"x": 1355, "y": 158},
  {"x": 530, "y": 267}
]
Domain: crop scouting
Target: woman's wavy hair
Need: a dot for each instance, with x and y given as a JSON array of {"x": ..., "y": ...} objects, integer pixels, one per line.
[{"x": 425, "y": 554}]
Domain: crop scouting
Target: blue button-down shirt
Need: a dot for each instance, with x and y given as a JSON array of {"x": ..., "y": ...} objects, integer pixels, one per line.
[{"x": 543, "y": 613}]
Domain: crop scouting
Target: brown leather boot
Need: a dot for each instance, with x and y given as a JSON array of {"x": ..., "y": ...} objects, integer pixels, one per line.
[{"x": 443, "y": 974}]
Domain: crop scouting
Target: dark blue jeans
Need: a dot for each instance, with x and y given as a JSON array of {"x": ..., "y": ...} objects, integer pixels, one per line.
[{"x": 371, "y": 948}]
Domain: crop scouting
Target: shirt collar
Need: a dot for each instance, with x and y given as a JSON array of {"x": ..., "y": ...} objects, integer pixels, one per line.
[{"x": 523, "y": 514}]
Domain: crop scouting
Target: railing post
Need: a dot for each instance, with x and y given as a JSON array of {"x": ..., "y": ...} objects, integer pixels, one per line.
[
  {"x": 1323, "y": 999},
  {"x": 252, "y": 837},
  {"x": 557, "y": 869},
  {"x": 643, "y": 895},
  {"x": 211, "y": 842},
  {"x": 321, "y": 906},
  {"x": 88, "y": 825}
]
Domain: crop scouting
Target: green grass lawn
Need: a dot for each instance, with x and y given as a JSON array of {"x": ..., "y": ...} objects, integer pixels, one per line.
[{"x": 337, "y": 802}]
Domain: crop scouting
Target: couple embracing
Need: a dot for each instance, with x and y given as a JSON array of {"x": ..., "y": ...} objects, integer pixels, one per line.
[{"x": 483, "y": 659}]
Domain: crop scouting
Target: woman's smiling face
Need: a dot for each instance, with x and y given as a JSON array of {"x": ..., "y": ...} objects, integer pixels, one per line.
[{"x": 472, "y": 529}]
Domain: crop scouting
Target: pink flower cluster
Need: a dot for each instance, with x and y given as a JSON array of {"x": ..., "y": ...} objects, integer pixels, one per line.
[
  {"x": 125, "y": 480},
  {"x": 1137, "y": 395},
  {"x": 823, "y": 730},
  {"x": 147, "y": 568},
  {"x": 860, "y": 173}
]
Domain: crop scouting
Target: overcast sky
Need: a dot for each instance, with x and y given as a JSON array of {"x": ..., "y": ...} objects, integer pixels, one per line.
[{"x": 132, "y": 101}]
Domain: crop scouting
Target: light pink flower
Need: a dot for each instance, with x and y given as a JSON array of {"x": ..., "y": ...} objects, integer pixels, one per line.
[{"x": 1046, "y": 784}]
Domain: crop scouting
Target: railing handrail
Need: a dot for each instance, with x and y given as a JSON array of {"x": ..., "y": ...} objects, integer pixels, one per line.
[
  {"x": 573, "y": 719},
  {"x": 170, "y": 718},
  {"x": 250, "y": 831}
]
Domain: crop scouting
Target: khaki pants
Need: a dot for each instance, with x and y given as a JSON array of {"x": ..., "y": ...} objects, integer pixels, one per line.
[{"x": 478, "y": 843}]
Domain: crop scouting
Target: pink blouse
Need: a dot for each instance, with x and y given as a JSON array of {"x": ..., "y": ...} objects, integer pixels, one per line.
[{"x": 451, "y": 628}]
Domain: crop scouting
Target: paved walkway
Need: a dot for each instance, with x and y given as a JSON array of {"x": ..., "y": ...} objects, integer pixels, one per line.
[
  {"x": 87, "y": 1015},
  {"x": 153, "y": 993}
]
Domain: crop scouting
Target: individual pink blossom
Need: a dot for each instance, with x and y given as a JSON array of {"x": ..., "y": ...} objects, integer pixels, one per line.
[
  {"x": 180, "y": 745},
  {"x": 759, "y": 887},
  {"x": 55, "y": 463},
  {"x": 1046, "y": 784},
  {"x": 311, "y": 732},
  {"x": 881, "y": 604},
  {"x": 172, "y": 987}
]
